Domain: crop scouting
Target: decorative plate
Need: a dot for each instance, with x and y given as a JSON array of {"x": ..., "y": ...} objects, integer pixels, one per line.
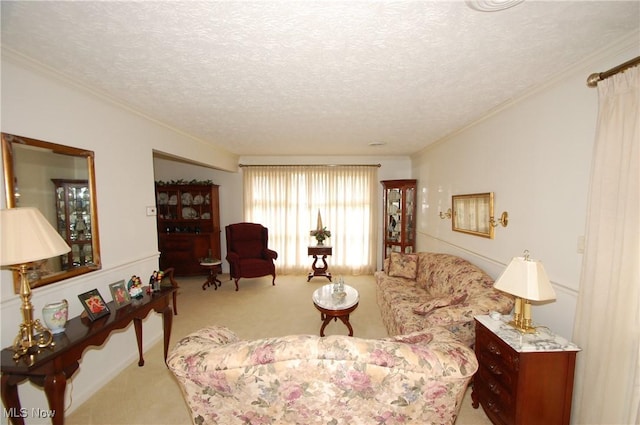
[
  {"x": 189, "y": 212},
  {"x": 187, "y": 198}
]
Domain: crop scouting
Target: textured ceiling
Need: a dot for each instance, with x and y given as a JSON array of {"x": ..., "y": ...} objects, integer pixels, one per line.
[{"x": 313, "y": 77}]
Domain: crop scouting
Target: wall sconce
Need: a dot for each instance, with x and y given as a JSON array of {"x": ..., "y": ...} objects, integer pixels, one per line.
[
  {"x": 504, "y": 220},
  {"x": 446, "y": 214}
]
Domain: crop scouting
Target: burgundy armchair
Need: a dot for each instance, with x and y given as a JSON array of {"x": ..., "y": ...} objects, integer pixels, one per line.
[{"x": 247, "y": 251}]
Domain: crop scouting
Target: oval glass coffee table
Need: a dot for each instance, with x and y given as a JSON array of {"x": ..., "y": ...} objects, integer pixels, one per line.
[{"x": 335, "y": 308}]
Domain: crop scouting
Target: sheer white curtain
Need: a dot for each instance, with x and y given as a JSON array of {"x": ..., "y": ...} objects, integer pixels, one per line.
[
  {"x": 607, "y": 325},
  {"x": 286, "y": 199}
]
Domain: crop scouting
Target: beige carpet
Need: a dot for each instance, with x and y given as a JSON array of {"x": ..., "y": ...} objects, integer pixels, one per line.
[{"x": 150, "y": 395}]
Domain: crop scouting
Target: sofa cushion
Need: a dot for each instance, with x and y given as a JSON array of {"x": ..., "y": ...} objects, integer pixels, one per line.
[
  {"x": 446, "y": 274},
  {"x": 403, "y": 265},
  {"x": 420, "y": 337},
  {"x": 437, "y": 302}
]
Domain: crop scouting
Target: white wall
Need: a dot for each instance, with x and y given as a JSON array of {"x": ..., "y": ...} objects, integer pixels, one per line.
[
  {"x": 36, "y": 103},
  {"x": 535, "y": 155}
]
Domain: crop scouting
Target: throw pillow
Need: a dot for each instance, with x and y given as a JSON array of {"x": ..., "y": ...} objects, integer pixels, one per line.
[
  {"x": 438, "y": 302},
  {"x": 403, "y": 265},
  {"x": 420, "y": 337}
]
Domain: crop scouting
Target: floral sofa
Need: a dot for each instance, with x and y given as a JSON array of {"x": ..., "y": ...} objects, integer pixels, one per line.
[
  {"x": 425, "y": 289},
  {"x": 306, "y": 379}
]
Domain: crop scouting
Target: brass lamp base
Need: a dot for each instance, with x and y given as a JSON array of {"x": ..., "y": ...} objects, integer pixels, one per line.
[
  {"x": 31, "y": 339},
  {"x": 523, "y": 328},
  {"x": 33, "y": 336},
  {"x": 522, "y": 317}
]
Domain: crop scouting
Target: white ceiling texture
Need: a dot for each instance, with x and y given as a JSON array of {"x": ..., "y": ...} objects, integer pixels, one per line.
[{"x": 314, "y": 77}]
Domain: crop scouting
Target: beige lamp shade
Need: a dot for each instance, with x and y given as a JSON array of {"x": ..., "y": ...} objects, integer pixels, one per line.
[
  {"x": 527, "y": 279},
  {"x": 27, "y": 236}
]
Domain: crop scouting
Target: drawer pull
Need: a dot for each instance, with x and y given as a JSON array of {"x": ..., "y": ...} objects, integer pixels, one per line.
[
  {"x": 494, "y": 388},
  {"x": 495, "y": 369},
  {"x": 493, "y": 406},
  {"x": 494, "y": 349}
]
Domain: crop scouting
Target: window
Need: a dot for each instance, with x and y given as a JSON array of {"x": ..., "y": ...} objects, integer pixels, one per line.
[{"x": 286, "y": 199}]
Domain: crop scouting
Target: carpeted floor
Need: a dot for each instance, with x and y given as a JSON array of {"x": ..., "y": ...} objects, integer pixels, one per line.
[{"x": 150, "y": 395}]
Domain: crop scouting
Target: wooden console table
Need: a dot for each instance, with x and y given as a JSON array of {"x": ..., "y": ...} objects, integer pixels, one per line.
[
  {"x": 52, "y": 366},
  {"x": 316, "y": 251}
]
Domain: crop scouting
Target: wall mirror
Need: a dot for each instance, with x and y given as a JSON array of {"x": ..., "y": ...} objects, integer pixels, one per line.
[
  {"x": 60, "y": 181},
  {"x": 473, "y": 213}
]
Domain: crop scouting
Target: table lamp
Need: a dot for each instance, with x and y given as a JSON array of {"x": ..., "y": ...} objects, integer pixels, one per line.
[
  {"x": 526, "y": 279},
  {"x": 27, "y": 237}
]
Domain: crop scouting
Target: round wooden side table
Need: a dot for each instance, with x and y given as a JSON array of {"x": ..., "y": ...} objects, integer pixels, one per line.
[
  {"x": 332, "y": 308},
  {"x": 214, "y": 268}
]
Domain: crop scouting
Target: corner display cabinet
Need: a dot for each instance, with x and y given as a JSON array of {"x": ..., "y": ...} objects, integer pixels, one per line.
[
  {"x": 73, "y": 210},
  {"x": 188, "y": 226},
  {"x": 399, "y": 200}
]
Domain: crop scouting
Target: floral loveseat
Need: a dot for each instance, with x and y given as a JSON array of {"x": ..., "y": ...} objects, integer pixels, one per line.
[
  {"x": 307, "y": 379},
  {"x": 418, "y": 291}
]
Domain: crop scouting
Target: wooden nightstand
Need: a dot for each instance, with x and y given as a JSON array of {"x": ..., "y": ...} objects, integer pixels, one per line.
[{"x": 522, "y": 378}]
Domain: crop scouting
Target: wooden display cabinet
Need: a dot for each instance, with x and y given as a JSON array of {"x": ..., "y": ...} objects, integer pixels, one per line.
[
  {"x": 188, "y": 226},
  {"x": 73, "y": 217},
  {"x": 399, "y": 201}
]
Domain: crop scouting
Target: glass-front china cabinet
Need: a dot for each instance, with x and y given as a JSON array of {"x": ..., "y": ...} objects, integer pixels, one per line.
[
  {"x": 399, "y": 198},
  {"x": 73, "y": 210}
]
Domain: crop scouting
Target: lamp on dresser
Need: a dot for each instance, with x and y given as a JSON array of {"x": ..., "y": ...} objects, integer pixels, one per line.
[
  {"x": 27, "y": 237},
  {"x": 527, "y": 280}
]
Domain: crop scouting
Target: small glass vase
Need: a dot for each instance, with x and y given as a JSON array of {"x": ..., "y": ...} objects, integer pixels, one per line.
[{"x": 55, "y": 316}]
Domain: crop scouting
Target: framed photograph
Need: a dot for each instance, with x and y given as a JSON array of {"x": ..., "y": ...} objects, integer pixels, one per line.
[
  {"x": 94, "y": 304},
  {"x": 119, "y": 294}
]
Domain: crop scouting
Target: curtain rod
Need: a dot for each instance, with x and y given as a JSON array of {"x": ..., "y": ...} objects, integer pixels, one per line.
[
  {"x": 593, "y": 79},
  {"x": 309, "y": 165}
]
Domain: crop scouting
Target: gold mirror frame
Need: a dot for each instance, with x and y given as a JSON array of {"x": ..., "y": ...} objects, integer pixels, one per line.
[
  {"x": 11, "y": 143},
  {"x": 473, "y": 214}
]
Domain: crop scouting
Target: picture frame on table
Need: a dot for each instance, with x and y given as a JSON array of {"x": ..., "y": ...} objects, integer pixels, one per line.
[
  {"x": 120, "y": 294},
  {"x": 94, "y": 304}
]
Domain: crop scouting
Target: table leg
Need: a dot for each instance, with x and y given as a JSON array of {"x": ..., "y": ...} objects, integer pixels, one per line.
[
  {"x": 11, "y": 401},
  {"x": 325, "y": 322},
  {"x": 212, "y": 278},
  {"x": 475, "y": 402},
  {"x": 137, "y": 324},
  {"x": 319, "y": 271},
  {"x": 167, "y": 320},
  {"x": 54, "y": 388},
  {"x": 345, "y": 320}
]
